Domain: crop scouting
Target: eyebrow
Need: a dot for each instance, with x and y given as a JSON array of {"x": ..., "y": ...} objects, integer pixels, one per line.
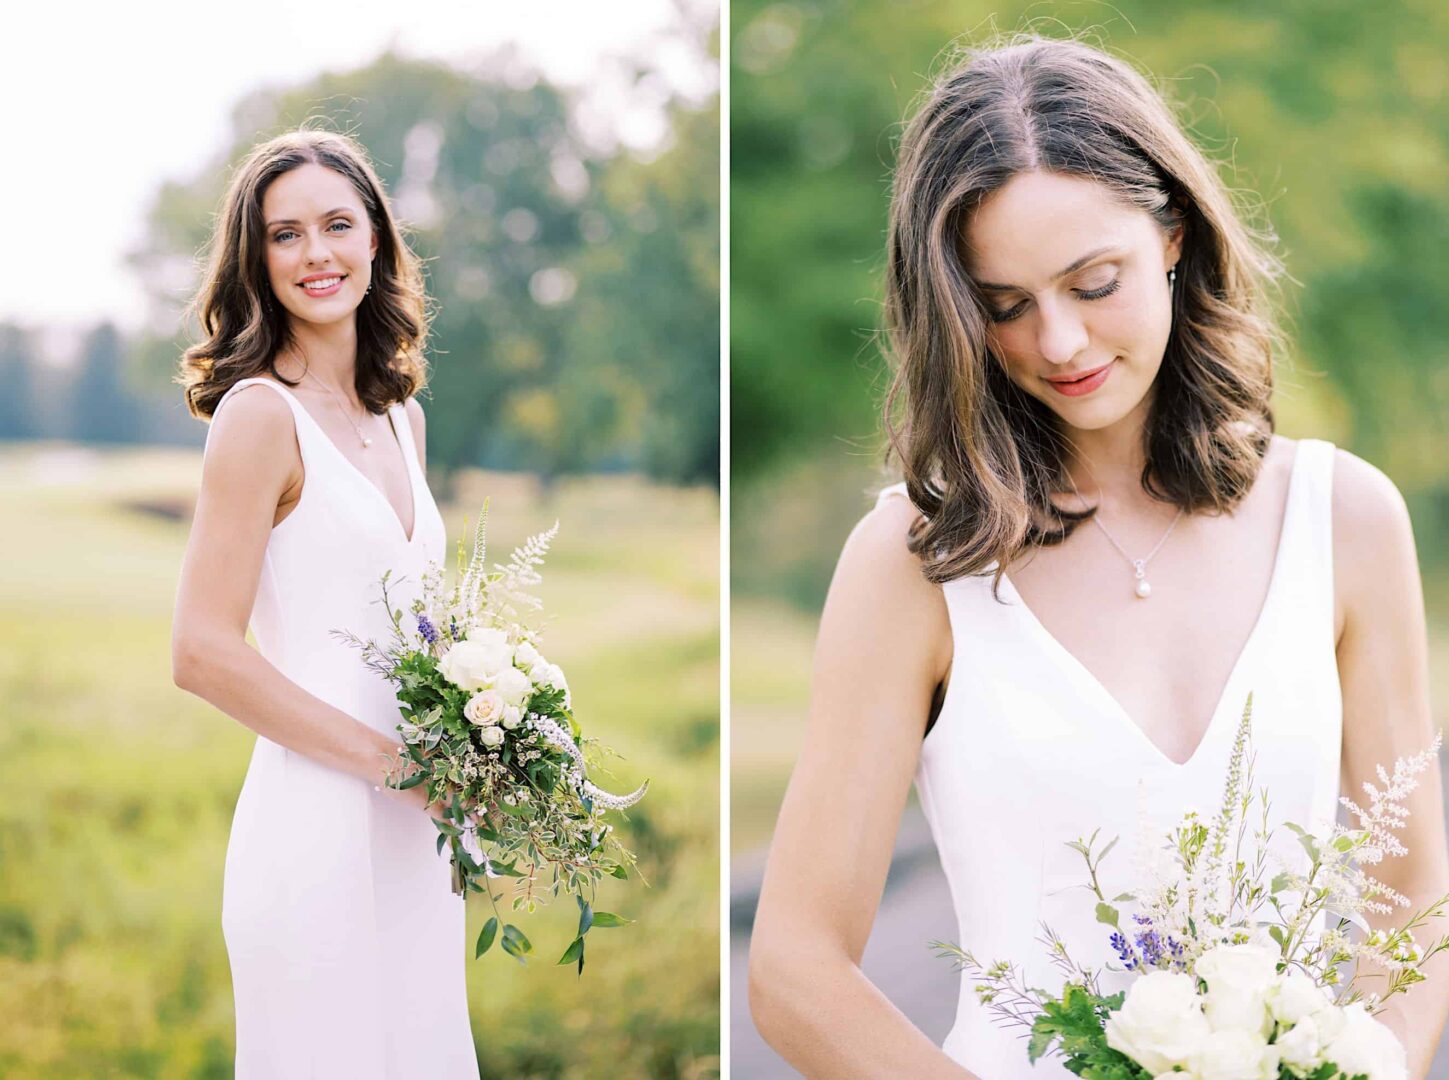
[
  {"x": 330, "y": 213},
  {"x": 987, "y": 286}
]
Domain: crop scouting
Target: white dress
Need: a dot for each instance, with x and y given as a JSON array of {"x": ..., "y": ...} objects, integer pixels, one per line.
[
  {"x": 1030, "y": 751},
  {"x": 347, "y": 945}
]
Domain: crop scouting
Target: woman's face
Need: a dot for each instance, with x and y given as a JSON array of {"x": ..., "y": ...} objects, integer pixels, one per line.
[
  {"x": 319, "y": 243},
  {"x": 1076, "y": 283}
]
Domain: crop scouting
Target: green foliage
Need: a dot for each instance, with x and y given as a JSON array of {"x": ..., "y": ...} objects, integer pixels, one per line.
[
  {"x": 577, "y": 321},
  {"x": 1334, "y": 118},
  {"x": 1073, "y": 1026}
]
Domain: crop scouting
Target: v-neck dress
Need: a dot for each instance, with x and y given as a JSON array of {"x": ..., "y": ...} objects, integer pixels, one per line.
[
  {"x": 1030, "y": 752},
  {"x": 346, "y": 942}
]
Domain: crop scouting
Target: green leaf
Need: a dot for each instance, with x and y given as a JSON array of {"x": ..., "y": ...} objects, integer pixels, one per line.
[
  {"x": 1107, "y": 914},
  {"x": 586, "y": 917},
  {"x": 573, "y": 954},
  {"x": 1276, "y": 933},
  {"x": 446, "y": 829},
  {"x": 485, "y": 939},
  {"x": 412, "y": 781},
  {"x": 620, "y": 872},
  {"x": 605, "y": 919},
  {"x": 442, "y": 839},
  {"x": 515, "y": 943},
  {"x": 1279, "y": 884}
]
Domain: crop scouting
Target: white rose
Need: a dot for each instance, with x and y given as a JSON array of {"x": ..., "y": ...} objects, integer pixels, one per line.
[
  {"x": 525, "y": 655},
  {"x": 514, "y": 685},
  {"x": 1367, "y": 1047},
  {"x": 1238, "y": 979},
  {"x": 553, "y": 676},
  {"x": 1302, "y": 1048},
  {"x": 512, "y": 716},
  {"x": 1295, "y": 997},
  {"x": 485, "y": 709},
  {"x": 500, "y": 653},
  {"x": 492, "y": 737},
  {"x": 473, "y": 664},
  {"x": 1234, "y": 1055},
  {"x": 1160, "y": 1024}
]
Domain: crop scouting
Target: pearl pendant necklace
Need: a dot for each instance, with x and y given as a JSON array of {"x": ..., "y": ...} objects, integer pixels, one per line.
[{"x": 1143, "y": 589}]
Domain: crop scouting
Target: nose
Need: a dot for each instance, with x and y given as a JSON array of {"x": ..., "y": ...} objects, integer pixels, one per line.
[
  {"x": 316, "y": 247},
  {"x": 1061, "y": 334}
]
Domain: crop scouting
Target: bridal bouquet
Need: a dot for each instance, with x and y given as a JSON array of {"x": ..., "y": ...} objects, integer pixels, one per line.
[
  {"x": 1237, "y": 965},
  {"x": 488, "y": 725}
]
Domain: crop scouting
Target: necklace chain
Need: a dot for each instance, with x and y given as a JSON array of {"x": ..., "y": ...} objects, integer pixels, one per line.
[
  {"x": 366, "y": 442},
  {"x": 1139, "y": 566}
]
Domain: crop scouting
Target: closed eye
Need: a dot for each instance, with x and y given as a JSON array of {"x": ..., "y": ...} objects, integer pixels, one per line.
[{"x": 1016, "y": 310}]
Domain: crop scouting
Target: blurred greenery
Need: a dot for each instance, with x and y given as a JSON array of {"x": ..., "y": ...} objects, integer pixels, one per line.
[
  {"x": 576, "y": 282},
  {"x": 1332, "y": 117},
  {"x": 113, "y": 829}
]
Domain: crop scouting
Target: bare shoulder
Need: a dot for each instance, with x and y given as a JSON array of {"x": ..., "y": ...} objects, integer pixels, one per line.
[
  {"x": 253, "y": 439},
  {"x": 1373, "y": 538},
  {"x": 879, "y": 588},
  {"x": 252, "y": 420}
]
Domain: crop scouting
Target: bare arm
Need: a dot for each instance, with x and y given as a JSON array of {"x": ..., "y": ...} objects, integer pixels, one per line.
[
  {"x": 251, "y": 461},
  {"x": 884, "y": 644},
  {"x": 1383, "y": 668}
]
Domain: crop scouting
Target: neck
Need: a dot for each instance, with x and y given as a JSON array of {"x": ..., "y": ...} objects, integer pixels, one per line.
[
  {"x": 324, "y": 353},
  {"x": 1105, "y": 464}
]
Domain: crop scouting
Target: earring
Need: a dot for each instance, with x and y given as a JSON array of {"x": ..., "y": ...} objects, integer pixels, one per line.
[{"x": 1171, "y": 280}]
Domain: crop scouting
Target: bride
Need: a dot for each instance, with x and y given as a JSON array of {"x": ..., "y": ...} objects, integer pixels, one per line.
[
  {"x": 1099, "y": 549},
  {"x": 346, "y": 943}
]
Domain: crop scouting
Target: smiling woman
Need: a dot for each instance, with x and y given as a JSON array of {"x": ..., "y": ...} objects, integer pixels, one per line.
[
  {"x": 312, "y": 294},
  {"x": 1082, "y": 333}
]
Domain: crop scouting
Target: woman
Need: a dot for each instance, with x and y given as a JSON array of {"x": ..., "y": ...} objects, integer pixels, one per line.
[
  {"x": 1099, "y": 549},
  {"x": 346, "y": 943}
]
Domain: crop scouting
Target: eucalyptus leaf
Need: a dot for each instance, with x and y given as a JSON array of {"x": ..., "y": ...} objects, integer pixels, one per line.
[
  {"x": 605, "y": 919},
  {"x": 485, "y": 939}
]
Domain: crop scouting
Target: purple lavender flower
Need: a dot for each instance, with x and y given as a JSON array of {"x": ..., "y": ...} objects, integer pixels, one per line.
[
  {"x": 453, "y": 628},
  {"x": 427, "y": 629},
  {"x": 1124, "y": 949}
]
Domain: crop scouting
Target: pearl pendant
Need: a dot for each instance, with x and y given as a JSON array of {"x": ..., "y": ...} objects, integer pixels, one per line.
[
  {"x": 1144, "y": 590},
  {"x": 366, "y": 443},
  {"x": 1139, "y": 569}
]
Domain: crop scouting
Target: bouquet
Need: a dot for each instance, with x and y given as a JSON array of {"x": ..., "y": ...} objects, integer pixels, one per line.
[
  {"x": 488, "y": 725},
  {"x": 1237, "y": 965}
]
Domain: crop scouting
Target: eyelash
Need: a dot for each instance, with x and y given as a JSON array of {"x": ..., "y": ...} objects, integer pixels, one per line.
[
  {"x": 288, "y": 232},
  {"x": 1089, "y": 294}
]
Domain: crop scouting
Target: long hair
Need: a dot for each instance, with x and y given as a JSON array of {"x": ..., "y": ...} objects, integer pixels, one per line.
[
  {"x": 980, "y": 457},
  {"x": 245, "y": 325}
]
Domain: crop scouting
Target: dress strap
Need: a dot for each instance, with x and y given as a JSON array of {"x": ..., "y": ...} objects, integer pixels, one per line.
[
  {"x": 894, "y": 489},
  {"x": 1311, "y": 557},
  {"x": 301, "y": 420}
]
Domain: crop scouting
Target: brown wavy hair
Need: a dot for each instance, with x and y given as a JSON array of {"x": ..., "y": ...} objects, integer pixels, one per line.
[
  {"x": 981, "y": 457},
  {"x": 244, "y": 324}
]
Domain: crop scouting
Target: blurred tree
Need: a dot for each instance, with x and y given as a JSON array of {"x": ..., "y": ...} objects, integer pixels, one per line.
[
  {"x": 503, "y": 201},
  {"x": 17, "y": 354},
  {"x": 1336, "y": 115},
  {"x": 102, "y": 407}
]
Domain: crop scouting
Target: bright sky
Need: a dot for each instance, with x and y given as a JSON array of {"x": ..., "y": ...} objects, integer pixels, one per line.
[{"x": 102, "y": 103}]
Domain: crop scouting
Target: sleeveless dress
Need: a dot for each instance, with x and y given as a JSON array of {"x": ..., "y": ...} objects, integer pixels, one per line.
[
  {"x": 347, "y": 945},
  {"x": 1030, "y": 751}
]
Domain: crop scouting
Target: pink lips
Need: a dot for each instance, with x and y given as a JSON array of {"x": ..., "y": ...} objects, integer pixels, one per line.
[
  {"x": 322, "y": 292},
  {"x": 1084, "y": 385}
]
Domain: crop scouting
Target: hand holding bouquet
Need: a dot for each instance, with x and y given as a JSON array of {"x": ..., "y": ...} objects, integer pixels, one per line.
[
  {"x": 487, "y": 725},
  {"x": 1239, "y": 973}
]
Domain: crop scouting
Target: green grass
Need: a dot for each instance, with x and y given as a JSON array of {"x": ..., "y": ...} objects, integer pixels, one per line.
[{"x": 114, "y": 819}]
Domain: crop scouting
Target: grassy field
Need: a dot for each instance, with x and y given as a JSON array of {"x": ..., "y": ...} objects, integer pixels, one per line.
[
  {"x": 120, "y": 788},
  {"x": 779, "y": 586}
]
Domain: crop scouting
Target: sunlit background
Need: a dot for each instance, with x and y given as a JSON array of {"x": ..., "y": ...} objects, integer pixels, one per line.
[
  {"x": 1335, "y": 115},
  {"x": 557, "y": 166}
]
